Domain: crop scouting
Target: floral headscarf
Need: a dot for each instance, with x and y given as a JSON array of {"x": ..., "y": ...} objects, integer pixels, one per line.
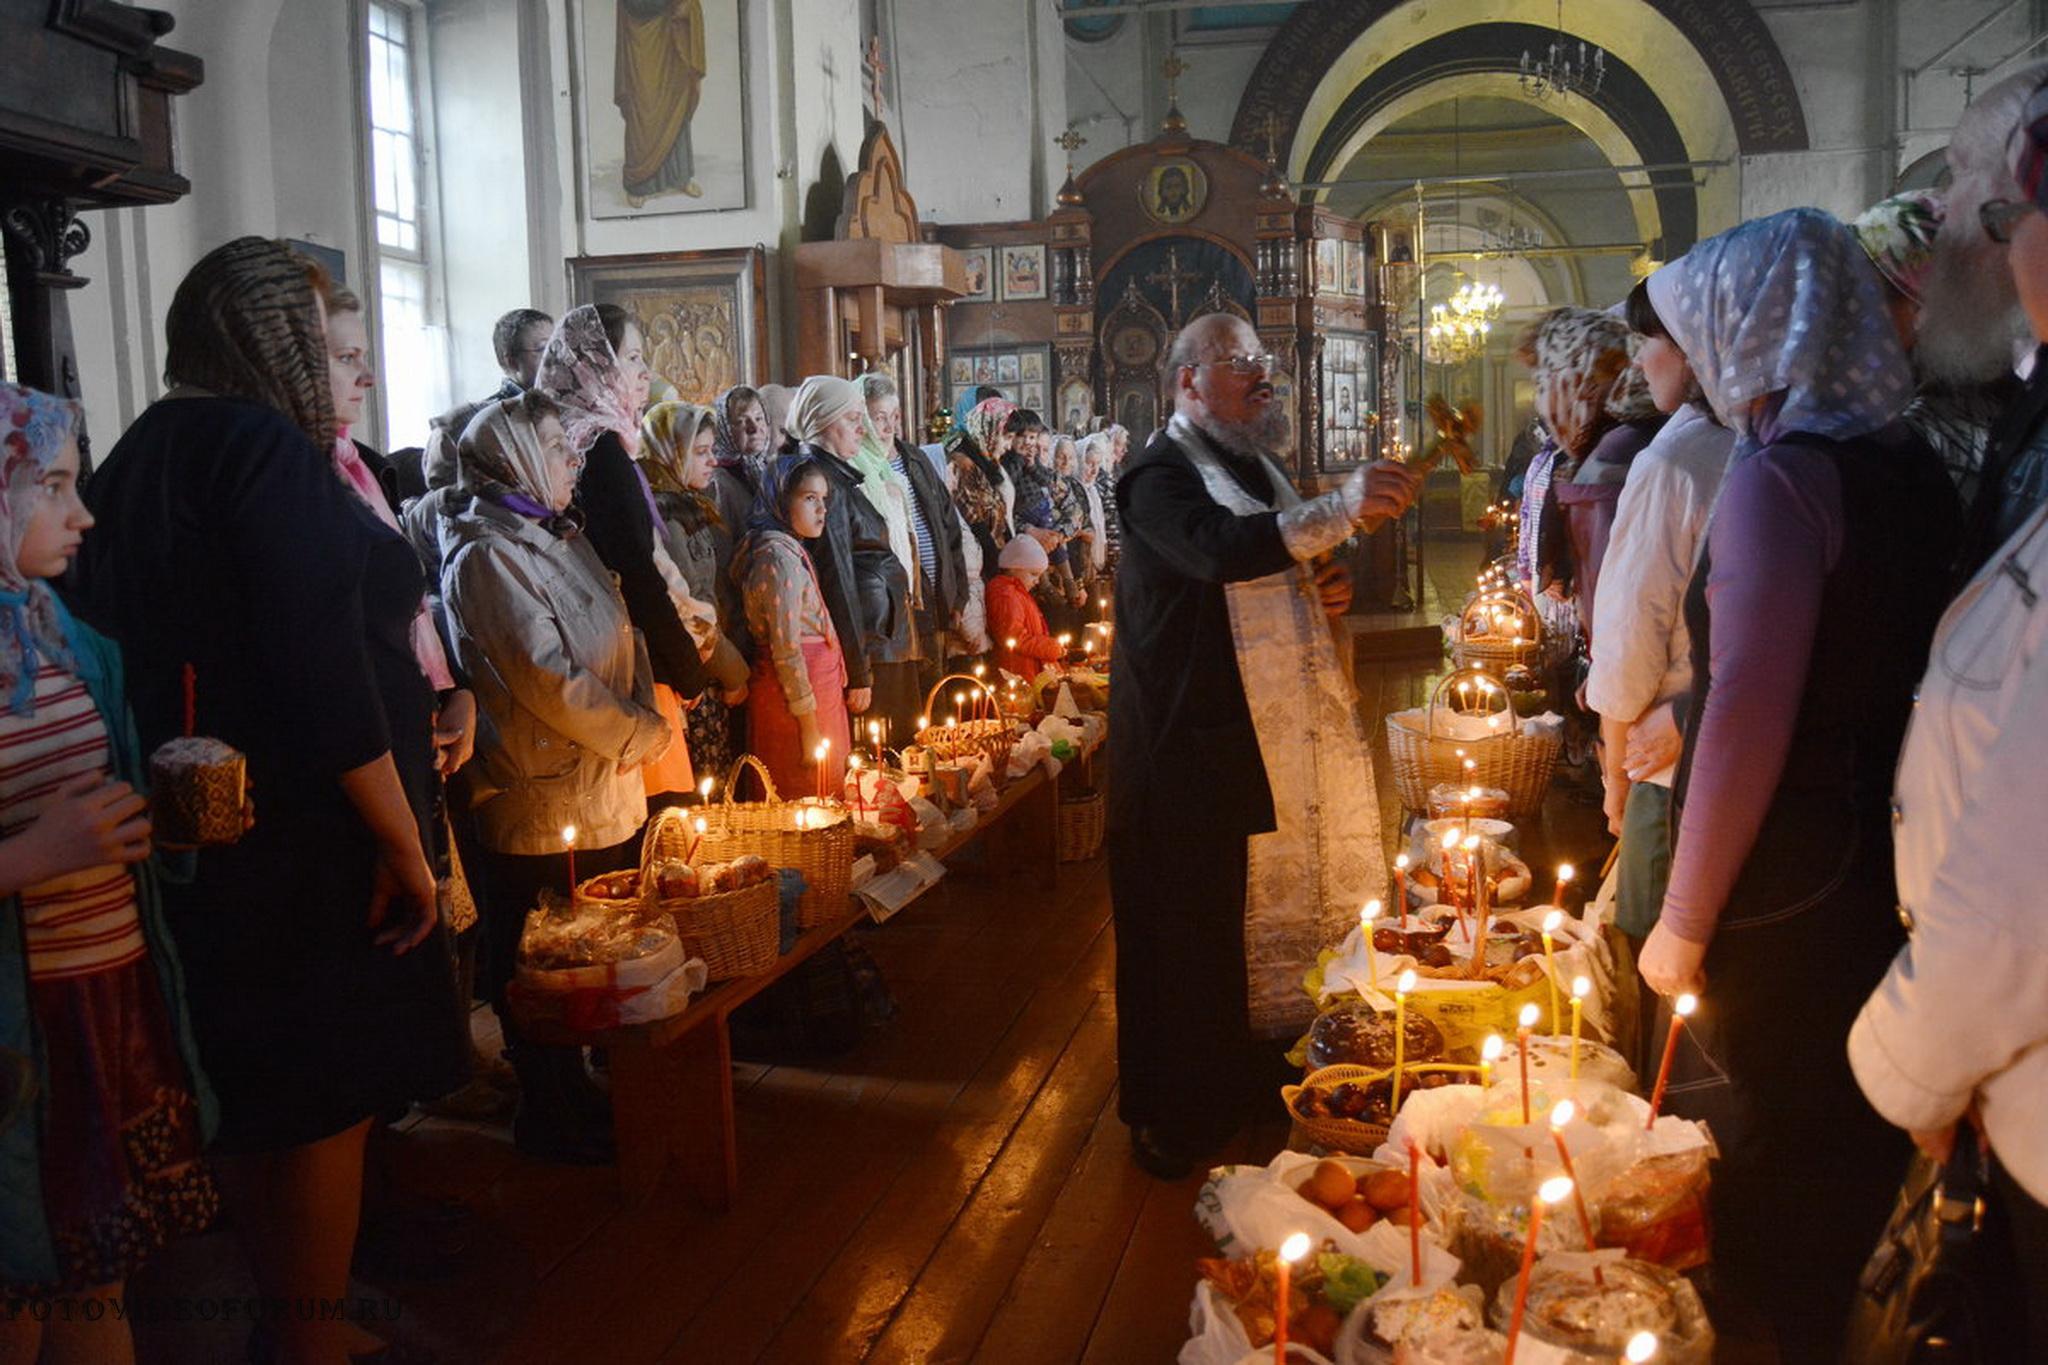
[
  {"x": 33, "y": 429},
  {"x": 1898, "y": 235},
  {"x": 500, "y": 453},
  {"x": 776, "y": 477},
  {"x": 666, "y": 434},
  {"x": 1786, "y": 308},
  {"x": 1580, "y": 355},
  {"x": 580, "y": 371},
  {"x": 725, "y": 446},
  {"x": 984, "y": 424}
]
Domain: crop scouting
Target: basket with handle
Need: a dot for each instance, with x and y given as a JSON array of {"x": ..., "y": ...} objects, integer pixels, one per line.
[
  {"x": 1081, "y": 822},
  {"x": 1478, "y": 641},
  {"x": 1357, "y": 1136},
  {"x": 1508, "y": 760},
  {"x": 993, "y": 735},
  {"x": 737, "y": 933},
  {"x": 814, "y": 837}
]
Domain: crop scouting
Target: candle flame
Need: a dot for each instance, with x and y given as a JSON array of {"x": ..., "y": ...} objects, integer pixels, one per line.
[
  {"x": 1685, "y": 1005},
  {"x": 853, "y": 761},
  {"x": 1563, "y": 1113},
  {"x": 1369, "y": 912},
  {"x": 924, "y": 722},
  {"x": 701, "y": 826},
  {"x": 1294, "y": 1248},
  {"x": 1527, "y": 1018},
  {"x": 568, "y": 836},
  {"x": 1491, "y": 1049},
  {"x": 1564, "y": 872},
  {"x": 1471, "y": 843},
  {"x": 1555, "y": 1190},
  {"x": 1552, "y": 920},
  {"x": 1582, "y": 987},
  {"x": 1010, "y": 643},
  {"x": 875, "y": 729},
  {"x": 704, "y": 789},
  {"x": 1406, "y": 983},
  {"x": 1641, "y": 1347},
  {"x": 980, "y": 670},
  {"x": 1402, "y": 862},
  {"x": 1450, "y": 840}
]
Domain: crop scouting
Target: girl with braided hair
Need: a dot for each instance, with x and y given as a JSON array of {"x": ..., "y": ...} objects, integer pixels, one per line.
[{"x": 321, "y": 983}]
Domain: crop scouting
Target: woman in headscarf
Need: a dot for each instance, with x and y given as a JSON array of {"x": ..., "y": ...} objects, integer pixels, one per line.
[
  {"x": 775, "y": 400},
  {"x": 676, "y": 451},
  {"x": 542, "y": 632},
  {"x": 864, "y": 582},
  {"x": 1810, "y": 614},
  {"x": 1097, "y": 476},
  {"x": 798, "y": 698},
  {"x": 938, "y": 572},
  {"x": 321, "y": 984},
  {"x": 981, "y": 487},
  {"x": 1075, "y": 506},
  {"x": 595, "y": 372},
  {"x": 91, "y": 996}
]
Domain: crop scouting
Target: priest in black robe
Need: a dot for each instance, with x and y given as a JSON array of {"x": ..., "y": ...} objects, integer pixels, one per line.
[{"x": 1219, "y": 587}]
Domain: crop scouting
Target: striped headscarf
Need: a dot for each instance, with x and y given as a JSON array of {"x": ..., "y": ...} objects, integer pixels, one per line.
[{"x": 245, "y": 323}]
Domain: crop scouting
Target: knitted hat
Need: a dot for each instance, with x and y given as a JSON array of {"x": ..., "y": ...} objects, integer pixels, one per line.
[{"x": 1024, "y": 552}]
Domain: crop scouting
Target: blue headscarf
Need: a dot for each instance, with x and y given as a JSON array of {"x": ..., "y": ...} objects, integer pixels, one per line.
[
  {"x": 1787, "y": 307},
  {"x": 776, "y": 477},
  {"x": 34, "y": 629}
]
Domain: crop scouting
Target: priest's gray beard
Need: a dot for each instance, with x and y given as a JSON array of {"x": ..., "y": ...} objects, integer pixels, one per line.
[
  {"x": 1970, "y": 317},
  {"x": 1265, "y": 434}
]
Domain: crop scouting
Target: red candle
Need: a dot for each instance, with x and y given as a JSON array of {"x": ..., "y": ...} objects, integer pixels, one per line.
[
  {"x": 695, "y": 839},
  {"x": 569, "y": 845},
  {"x": 191, "y": 682},
  {"x": 1291, "y": 1250},
  {"x": 1415, "y": 1212},
  {"x": 1559, "y": 1117},
  {"x": 1681, "y": 1010},
  {"x": 1552, "y": 1191},
  {"x": 1564, "y": 874}
]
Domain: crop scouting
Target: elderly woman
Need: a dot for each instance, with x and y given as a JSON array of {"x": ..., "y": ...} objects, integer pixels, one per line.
[
  {"x": 320, "y": 983},
  {"x": 937, "y": 570},
  {"x": 568, "y": 719},
  {"x": 982, "y": 489},
  {"x": 1097, "y": 480},
  {"x": 1809, "y": 614},
  {"x": 677, "y": 447},
  {"x": 860, "y": 571}
]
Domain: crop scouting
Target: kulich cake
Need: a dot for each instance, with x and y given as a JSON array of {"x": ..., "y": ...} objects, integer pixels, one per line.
[
  {"x": 1358, "y": 1035},
  {"x": 196, "y": 792},
  {"x": 1594, "y": 1317}
]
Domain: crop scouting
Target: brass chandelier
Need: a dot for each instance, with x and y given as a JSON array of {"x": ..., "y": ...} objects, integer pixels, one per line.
[{"x": 1459, "y": 327}]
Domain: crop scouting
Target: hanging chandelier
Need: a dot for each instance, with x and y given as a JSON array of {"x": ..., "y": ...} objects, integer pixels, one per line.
[
  {"x": 1567, "y": 67},
  {"x": 1458, "y": 328}
]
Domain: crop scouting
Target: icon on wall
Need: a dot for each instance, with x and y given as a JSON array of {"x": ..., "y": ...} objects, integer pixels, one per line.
[
  {"x": 1174, "y": 191},
  {"x": 1023, "y": 271},
  {"x": 664, "y": 106},
  {"x": 980, "y": 272}
]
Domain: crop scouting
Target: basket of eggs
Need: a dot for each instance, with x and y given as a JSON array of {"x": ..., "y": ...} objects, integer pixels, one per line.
[
  {"x": 814, "y": 837},
  {"x": 1350, "y": 1108},
  {"x": 725, "y": 913}
]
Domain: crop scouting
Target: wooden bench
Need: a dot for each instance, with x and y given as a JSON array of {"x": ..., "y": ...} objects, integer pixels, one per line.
[{"x": 672, "y": 1099}]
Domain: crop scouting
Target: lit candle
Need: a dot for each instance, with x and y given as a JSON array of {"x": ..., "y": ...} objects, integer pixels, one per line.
[
  {"x": 1444, "y": 880},
  {"x": 819, "y": 755},
  {"x": 1401, "y": 888},
  {"x": 1525, "y": 1021},
  {"x": 860, "y": 801},
  {"x": 1366, "y": 915},
  {"x": 1561, "y": 1115},
  {"x": 1552, "y": 1191},
  {"x": 1291, "y": 1250},
  {"x": 1681, "y": 1010},
  {"x": 1471, "y": 792},
  {"x": 1402, "y": 986},
  {"x": 1489, "y": 1053},
  {"x": 875, "y": 738},
  {"x": 1551, "y": 922},
  {"x": 695, "y": 840},
  {"x": 704, "y": 791},
  {"x": 1564, "y": 875},
  {"x": 569, "y": 847},
  {"x": 1414, "y": 1214},
  {"x": 1640, "y": 1348},
  {"x": 1478, "y": 866},
  {"x": 1581, "y": 988}
]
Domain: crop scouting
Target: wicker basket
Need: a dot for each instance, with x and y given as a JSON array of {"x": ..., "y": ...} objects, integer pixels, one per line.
[
  {"x": 952, "y": 743},
  {"x": 737, "y": 933},
  {"x": 1353, "y": 1135},
  {"x": 1518, "y": 764},
  {"x": 815, "y": 838},
  {"x": 1470, "y": 649},
  {"x": 1081, "y": 822}
]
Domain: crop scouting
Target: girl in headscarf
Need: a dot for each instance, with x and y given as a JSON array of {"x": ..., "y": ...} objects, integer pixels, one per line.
[
  {"x": 1810, "y": 613},
  {"x": 981, "y": 487},
  {"x": 91, "y": 995},
  {"x": 798, "y": 697},
  {"x": 321, "y": 983},
  {"x": 543, "y": 634},
  {"x": 863, "y": 577},
  {"x": 676, "y": 451},
  {"x": 594, "y": 371}
]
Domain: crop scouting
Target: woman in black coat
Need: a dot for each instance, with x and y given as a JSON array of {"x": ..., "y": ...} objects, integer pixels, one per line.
[{"x": 321, "y": 983}]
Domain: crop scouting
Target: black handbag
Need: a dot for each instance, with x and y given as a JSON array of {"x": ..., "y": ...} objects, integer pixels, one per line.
[{"x": 1938, "y": 1289}]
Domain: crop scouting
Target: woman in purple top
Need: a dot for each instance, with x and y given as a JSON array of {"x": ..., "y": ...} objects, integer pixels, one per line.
[{"x": 1810, "y": 613}]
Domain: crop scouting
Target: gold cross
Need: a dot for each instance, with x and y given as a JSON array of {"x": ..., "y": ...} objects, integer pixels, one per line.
[
  {"x": 1173, "y": 277},
  {"x": 1173, "y": 68},
  {"x": 1270, "y": 125},
  {"x": 1072, "y": 141}
]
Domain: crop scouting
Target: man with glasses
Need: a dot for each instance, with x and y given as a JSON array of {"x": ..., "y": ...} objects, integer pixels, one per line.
[
  {"x": 1244, "y": 827},
  {"x": 518, "y": 339}
]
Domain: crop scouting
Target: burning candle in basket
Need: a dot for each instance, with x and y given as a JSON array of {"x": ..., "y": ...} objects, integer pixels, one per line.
[
  {"x": 1640, "y": 1348},
  {"x": 860, "y": 802},
  {"x": 1551, "y": 923},
  {"x": 1366, "y": 916},
  {"x": 1524, "y": 1022},
  {"x": 1475, "y": 865},
  {"x": 1564, "y": 876},
  {"x": 1291, "y": 1250},
  {"x": 697, "y": 828},
  {"x": 1489, "y": 1053},
  {"x": 824, "y": 747},
  {"x": 1561, "y": 1115},
  {"x": 704, "y": 791},
  {"x": 1402, "y": 987},
  {"x": 1681, "y": 1010},
  {"x": 569, "y": 847},
  {"x": 875, "y": 738},
  {"x": 1401, "y": 888},
  {"x": 1582, "y": 987},
  {"x": 1551, "y": 1192}
]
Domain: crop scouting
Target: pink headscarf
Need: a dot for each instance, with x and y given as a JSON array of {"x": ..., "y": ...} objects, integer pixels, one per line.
[
  {"x": 580, "y": 371},
  {"x": 426, "y": 641}
]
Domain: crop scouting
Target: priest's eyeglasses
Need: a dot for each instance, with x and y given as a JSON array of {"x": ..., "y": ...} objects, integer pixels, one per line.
[
  {"x": 2000, "y": 217},
  {"x": 1264, "y": 363}
]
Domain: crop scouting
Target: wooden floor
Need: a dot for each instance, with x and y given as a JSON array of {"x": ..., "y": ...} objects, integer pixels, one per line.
[{"x": 958, "y": 1188}]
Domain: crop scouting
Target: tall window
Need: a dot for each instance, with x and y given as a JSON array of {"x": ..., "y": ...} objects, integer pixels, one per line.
[{"x": 412, "y": 366}]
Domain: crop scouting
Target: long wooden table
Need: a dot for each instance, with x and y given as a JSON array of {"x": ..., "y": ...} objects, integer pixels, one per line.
[{"x": 672, "y": 1098}]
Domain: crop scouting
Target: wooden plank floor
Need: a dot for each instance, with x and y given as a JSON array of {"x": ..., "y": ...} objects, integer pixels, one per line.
[{"x": 956, "y": 1188}]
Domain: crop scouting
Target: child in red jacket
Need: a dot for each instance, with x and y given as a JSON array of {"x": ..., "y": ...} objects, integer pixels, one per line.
[{"x": 1023, "y": 645}]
